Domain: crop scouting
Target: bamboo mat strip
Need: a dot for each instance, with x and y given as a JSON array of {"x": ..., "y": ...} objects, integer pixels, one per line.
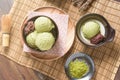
[{"x": 106, "y": 57}]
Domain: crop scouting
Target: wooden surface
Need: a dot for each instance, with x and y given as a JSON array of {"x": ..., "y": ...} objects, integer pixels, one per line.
[{"x": 9, "y": 70}]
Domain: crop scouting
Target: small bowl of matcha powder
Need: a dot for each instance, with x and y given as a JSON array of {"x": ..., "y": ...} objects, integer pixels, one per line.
[{"x": 79, "y": 66}]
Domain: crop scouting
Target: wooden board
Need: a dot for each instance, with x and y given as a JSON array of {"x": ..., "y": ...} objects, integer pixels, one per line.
[{"x": 69, "y": 37}]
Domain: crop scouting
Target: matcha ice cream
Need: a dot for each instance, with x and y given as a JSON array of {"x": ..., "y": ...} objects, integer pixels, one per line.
[
  {"x": 30, "y": 39},
  {"x": 44, "y": 41},
  {"x": 43, "y": 24},
  {"x": 39, "y": 35},
  {"x": 90, "y": 29}
]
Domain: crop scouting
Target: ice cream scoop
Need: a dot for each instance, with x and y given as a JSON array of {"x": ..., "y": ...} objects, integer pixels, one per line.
[
  {"x": 30, "y": 39},
  {"x": 90, "y": 29},
  {"x": 44, "y": 41},
  {"x": 43, "y": 24}
]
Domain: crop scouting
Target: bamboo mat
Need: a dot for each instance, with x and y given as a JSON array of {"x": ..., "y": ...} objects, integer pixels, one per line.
[{"x": 106, "y": 58}]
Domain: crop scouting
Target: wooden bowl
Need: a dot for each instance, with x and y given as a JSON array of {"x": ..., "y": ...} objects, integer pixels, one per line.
[{"x": 69, "y": 38}]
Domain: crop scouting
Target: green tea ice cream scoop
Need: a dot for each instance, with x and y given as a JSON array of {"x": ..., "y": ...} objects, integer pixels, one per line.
[
  {"x": 43, "y": 24},
  {"x": 90, "y": 29},
  {"x": 44, "y": 41},
  {"x": 30, "y": 39}
]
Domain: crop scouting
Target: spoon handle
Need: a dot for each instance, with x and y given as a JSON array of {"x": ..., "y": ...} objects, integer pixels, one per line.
[{"x": 5, "y": 40}]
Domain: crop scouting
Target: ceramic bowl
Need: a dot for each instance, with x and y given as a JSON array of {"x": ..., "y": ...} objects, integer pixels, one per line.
[
  {"x": 53, "y": 31},
  {"x": 80, "y": 56},
  {"x": 109, "y": 31}
]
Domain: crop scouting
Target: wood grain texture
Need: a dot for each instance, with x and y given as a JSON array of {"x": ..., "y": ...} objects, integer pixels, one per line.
[{"x": 10, "y": 70}]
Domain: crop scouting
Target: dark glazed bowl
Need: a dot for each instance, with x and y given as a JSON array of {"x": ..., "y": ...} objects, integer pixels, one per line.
[
  {"x": 109, "y": 31},
  {"x": 53, "y": 31},
  {"x": 87, "y": 59}
]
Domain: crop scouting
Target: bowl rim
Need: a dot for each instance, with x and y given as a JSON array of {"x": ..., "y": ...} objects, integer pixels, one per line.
[
  {"x": 77, "y": 55},
  {"x": 100, "y": 16}
]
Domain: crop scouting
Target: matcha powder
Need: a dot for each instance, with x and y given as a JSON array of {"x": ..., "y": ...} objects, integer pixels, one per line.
[{"x": 78, "y": 68}]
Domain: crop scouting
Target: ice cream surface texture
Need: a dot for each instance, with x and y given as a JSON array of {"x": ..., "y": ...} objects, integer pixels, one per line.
[
  {"x": 30, "y": 39},
  {"x": 90, "y": 29},
  {"x": 44, "y": 41},
  {"x": 43, "y": 24}
]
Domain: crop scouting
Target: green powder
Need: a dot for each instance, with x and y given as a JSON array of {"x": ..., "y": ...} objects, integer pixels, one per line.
[{"x": 78, "y": 68}]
